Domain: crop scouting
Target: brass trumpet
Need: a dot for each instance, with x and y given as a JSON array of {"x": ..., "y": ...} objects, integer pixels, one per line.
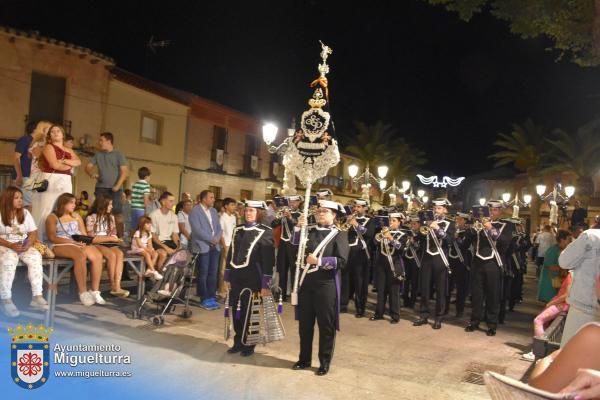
[
  {"x": 381, "y": 235},
  {"x": 346, "y": 225},
  {"x": 478, "y": 224}
]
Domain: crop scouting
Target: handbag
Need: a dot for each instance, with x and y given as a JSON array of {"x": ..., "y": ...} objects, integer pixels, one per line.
[
  {"x": 78, "y": 238},
  {"x": 82, "y": 238},
  {"x": 40, "y": 184}
]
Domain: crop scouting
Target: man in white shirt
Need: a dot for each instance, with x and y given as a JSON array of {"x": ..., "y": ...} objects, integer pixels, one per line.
[
  {"x": 228, "y": 220},
  {"x": 544, "y": 240},
  {"x": 165, "y": 228}
]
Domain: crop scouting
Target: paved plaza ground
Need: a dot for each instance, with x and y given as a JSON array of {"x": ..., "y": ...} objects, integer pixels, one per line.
[{"x": 375, "y": 360}]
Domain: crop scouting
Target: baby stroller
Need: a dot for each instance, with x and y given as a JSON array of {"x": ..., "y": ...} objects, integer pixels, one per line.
[{"x": 173, "y": 289}]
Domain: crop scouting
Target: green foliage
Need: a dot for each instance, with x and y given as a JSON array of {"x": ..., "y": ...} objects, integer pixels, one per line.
[
  {"x": 524, "y": 147},
  {"x": 568, "y": 23},
  {"x": 379, "y": 144},
  {"x": 578, "y": 154}
]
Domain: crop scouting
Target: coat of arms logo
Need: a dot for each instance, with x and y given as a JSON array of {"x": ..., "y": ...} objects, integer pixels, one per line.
[{"x": 30, "y": 355}]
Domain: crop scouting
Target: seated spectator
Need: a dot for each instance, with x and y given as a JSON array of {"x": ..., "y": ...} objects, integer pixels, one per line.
[
  {"x": 165, "y": 228},
  {"x": 17, "y": 235},
  {"x": 183, "y": 217},
  {"x": 141, "y": 244},
  {"x": 581, "y": 257},
  {"x": 555, "y": 372},
  {"x": 60, "y": 226},
  {"x": 553, "y": 309},
  {"x": 586, "y": 385},
  {"x": 101, "y": 225}
]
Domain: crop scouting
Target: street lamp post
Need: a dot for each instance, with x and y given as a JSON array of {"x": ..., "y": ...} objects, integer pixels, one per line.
[
  {"x": 516, "y": 202},
  {"x": 555, "y": 196},
  {"x": 269, "y": 132},
  {"x": 366, "y": 177},
  {"x": 394, "y": 189}
]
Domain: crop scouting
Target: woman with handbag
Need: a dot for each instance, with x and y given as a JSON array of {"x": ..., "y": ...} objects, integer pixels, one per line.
[
  {"x": 56, "y": 165},
  {"x": 65, "y": 230},
  {"x": 18, "y": 233},
  {"x": 550, "y": 276},
  {"x": 100, "y": 224}
]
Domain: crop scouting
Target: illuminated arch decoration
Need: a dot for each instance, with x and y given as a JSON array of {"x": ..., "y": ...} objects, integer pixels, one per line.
[{"x": 446, "y": 180}]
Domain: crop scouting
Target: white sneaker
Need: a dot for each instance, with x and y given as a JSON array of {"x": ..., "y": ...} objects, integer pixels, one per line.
[
  {"x": 149, "y": 273},
  {"x": 97, "y": 298},
  {"x": 164, "y": 292},
  {"x": 86, "y": 299},
  {"x": 39, "y": 302},
  {"x": 157, "y": 276},
  {"x": 528, "y": 356},
  {"x": 9, "y": 309}
]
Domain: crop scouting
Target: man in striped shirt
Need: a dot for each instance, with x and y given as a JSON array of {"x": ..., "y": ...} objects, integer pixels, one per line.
[{"x": 140, "y": 196}]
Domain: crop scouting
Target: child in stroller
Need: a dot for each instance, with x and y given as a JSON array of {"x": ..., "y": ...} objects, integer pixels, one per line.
[{"x": 173, "y": 289}]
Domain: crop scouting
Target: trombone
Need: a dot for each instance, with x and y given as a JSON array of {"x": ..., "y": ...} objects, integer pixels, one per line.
[{"x": 427, "y": 231}]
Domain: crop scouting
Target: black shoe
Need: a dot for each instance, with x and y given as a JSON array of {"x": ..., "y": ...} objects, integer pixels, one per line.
[
  {"x": 437, "y": 324},
  {"x": 323, "y": 370},
  {"x": 247, "y": 352},
  {"x": 359, "y": 315},
  {"x": 491, "y": 332},
  {"x": 394, "y": 321},
  {"x": 472, "y": 327},
  {"x": 375, "y": 318},
  {"x": 420, "y": 321},
  {"x": 235, "y": 349},
  {"x": 301, "y": 365}
]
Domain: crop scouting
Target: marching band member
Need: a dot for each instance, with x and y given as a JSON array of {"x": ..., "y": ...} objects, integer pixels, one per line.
[
  {"x": 490, "y": 240},
  {"x": 319, "y": 285},
  {"x": 459, "y": 258},
  {"x": 249, "y": 263},
  {"x": 412, "y": 262},
  {"x": 286, "y": 253},
  {"x": 435, "y": 266},
  {"x": 390, "y": 268},
  {"x": 356, "y": 278}
]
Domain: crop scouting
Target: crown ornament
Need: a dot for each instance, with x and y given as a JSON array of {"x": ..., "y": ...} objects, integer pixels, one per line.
[{"x": 29, "y": 332}]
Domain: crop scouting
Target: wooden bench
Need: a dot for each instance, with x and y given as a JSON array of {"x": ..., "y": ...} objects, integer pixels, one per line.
[{"x": 55, "y": 269}]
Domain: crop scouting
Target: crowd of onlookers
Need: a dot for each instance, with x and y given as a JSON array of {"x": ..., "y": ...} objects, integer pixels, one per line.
[{"x": 40, "y": 216}]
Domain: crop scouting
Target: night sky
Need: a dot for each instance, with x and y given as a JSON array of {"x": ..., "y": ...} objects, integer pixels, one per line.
[{"x": 447, "y": 86}]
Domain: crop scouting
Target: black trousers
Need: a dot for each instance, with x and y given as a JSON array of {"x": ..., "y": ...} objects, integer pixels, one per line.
[
  {"x": 411, "y": 283},
  {"x": 238, "y": 324},
  {"x": 286, "y": 262},
  {"x": 433, "y": 270},
  {"x": 486, "y": 280},
  {"x": 458, "y": 280},
  {"x": 388, "y": 289},
  {"x": 355, "y": 279},
  {"x": 317, "y": 301},
  {"x": 516, "y": 292},
  {"x": 505, "y": 293}
]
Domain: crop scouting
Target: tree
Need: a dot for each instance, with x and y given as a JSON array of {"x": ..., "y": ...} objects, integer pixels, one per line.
[
  {"x": 371, "y": 142},
  {"x": 380, "y": 144},
  {"x": 572, "y": 25},
  {"x": 577, "y": 154},
  {"x": 525, "y": 148}
]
